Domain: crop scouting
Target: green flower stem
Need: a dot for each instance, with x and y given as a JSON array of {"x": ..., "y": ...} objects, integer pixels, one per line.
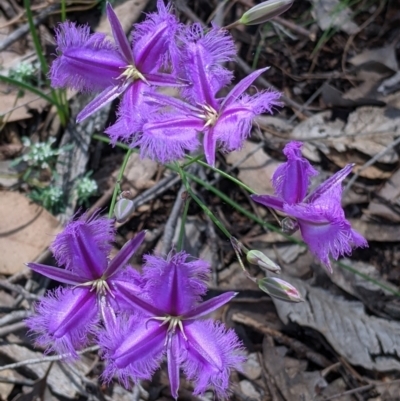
[
  {"x": 242, "y": 210},
  {"x": 36, "y": 42},
  {"x": 206, "y": 210},
  {"x": 192, "y": 160},
  {"x": 63, "y": 10},
  {"x": 223, "y": 173},
  {"x": 367, "y": 278},
  {"x": 117, "y": 185},
  {"x": 28, "y": 87},
  {"x": 182, "y": 227},
  {"x": 57, "y": 100}
]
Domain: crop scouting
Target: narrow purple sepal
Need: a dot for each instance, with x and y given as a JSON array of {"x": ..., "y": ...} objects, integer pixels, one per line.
[
  {"x": 107, "y": 96},
  {"x": 55, "y": 273},
  {"x": 174, "y": 360},
  {"x": 137, "y": 303},
  {"x": 210, "y": 144},
  {"x": 123, "y": 256},
  {"x": 331, "y": 187},
  {"x": 162, "y": 79},
  {"x": 268, "y": 201},
  {"x": 241, "y": 87},
  {"x": 209, "y": 306},
  {"x": 119, "y": 35}
]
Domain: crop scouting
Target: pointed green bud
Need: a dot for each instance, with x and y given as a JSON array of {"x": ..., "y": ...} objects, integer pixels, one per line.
[
  {"x": 289, "y": 225},
  {"x": 262, "y": 261},
  {"x": 123, "y": 208},
  {"x": 280, "y": 289},
  {"x": 264, "y": 11}
]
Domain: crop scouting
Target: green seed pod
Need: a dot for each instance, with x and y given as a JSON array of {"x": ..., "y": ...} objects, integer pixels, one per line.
[
  {"x": 123, "y": 208},
  {"x": 280, "y": 289},
  {"x": 265, "y": 11},
  {"x": 262, "y": 261}
]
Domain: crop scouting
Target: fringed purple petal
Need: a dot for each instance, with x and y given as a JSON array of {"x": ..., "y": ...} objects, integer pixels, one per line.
[
  {"x": 64, "y": 319},
  {"x": 212, "y": 351},
  {"x": 154, "y": 42},
  {"x": 87, "y": 62},
  {"x": 61, "y": 275},
  {"x": 235, "y": 121},
  {"x": 131, "y": 113},
  {"x": 325, "y": 230},
  {"x": 292, "y": 179},
  {"x": 203, "y": 56},
  {"x": 84, "y": 244},
  {"x": 167, "y": 138},
  {"x": 107, "y": 96},
  {"x": 182, "y": 281},
  {"x": 133, "y": 350},
  {"x": 119, "y": 35}
]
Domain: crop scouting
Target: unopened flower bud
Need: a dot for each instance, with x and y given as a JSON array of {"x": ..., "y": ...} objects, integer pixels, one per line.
[
  {"x": 265, "y": 11},
  {"x": 280, "y": 289},
  {"x": 123, "y": 208},
  {"x": 289, "y": 225},
  {"x": 262, "y": 261}
]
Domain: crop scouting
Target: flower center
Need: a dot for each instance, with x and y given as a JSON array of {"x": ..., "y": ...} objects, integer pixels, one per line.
[
  {"x": 131, "y": 72},
  {"x": 100, "y": 286},
  {"x": 210, "y": 116},
  {"x": 173, "y": 322}
]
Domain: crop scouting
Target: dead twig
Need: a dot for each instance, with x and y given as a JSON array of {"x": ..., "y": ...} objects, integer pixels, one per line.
[
  {"x": 369, "y": 163},
  {"x": 45, "y": 359}
]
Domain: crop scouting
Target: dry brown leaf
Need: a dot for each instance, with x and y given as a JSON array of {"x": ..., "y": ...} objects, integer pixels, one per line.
[
  {"x": 391, "y": 193},
  {"x": 380, "y": 232},
  {"x": 290, "y": 375},
  {"x": 58, "y": 379},
  {"x": 26, "y": 230},
  {"x": 256, "y": 171},
  {"x": 14, "y": 108},
  {"x": 368, "y": 131},
  {"x": 138, "y": 173},
  {"x": 363, "y": 340}
]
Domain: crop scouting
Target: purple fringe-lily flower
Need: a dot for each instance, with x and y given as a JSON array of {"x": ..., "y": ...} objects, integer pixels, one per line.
[
  {"x": 226, "y": 122},
  {"x": 167, "y": 323},
  {"x": 319, "y": 214},
  {"x": 65, "y": 317},
  {"x": 92, "y": 63}
]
